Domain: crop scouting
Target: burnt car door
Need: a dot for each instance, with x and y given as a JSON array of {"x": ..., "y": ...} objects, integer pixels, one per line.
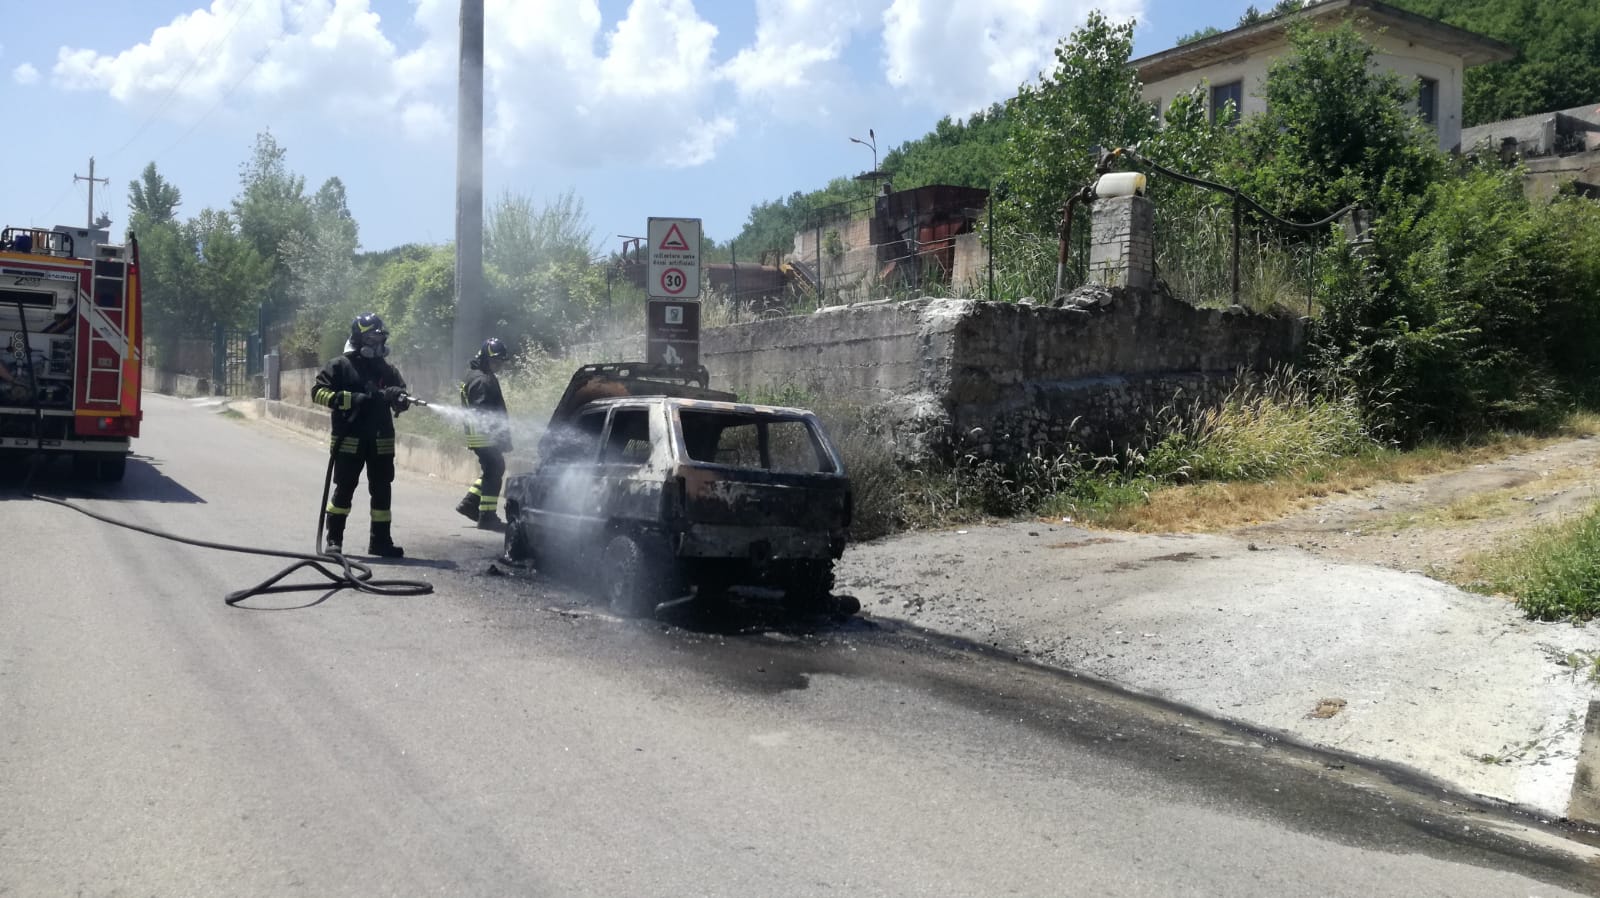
[
  {"x": 633, "y": 472},
  {"x": 562, "y": 497}
]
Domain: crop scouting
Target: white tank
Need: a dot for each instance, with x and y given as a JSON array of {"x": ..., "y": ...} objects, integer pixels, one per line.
[{"x": 1120, "y": 183}]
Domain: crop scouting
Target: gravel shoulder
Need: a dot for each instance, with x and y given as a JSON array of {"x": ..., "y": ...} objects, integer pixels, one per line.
[{"x": 1320, "y": 626}]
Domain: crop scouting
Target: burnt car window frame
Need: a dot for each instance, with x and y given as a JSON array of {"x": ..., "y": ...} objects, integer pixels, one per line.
[
  {"x": 607, "y": 455},
  {"x": 813, "y": 430},
  {"x": 578, "y": 455}
]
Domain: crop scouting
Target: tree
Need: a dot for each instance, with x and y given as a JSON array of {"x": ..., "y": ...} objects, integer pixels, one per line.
[
  {"x": 1336, "y": 130},
  {"x": 152, "y": 199},
  {"x": 1199, "y": 35},
  {"x": 962, "y": 153},
  {"x": 271, "y": 206},
  {"x": 231, "y": 277},
  {"x": 321, "y": 265},
  {"x": 1090, "y": 98},
  {"x": 1558, "y": 64},
  {"x": 542, "y": 285}
]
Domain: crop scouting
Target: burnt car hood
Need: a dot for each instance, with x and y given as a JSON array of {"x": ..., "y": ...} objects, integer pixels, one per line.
[{"x": 610, "y": 380}]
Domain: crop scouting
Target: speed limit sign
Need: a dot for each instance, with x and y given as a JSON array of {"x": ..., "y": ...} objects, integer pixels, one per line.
[
  {"x": 674, "y": 258},
  {"x": 674, "y": 281}
]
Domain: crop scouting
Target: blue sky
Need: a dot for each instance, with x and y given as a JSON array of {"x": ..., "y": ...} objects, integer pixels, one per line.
[{"x": 643, "y": 107}]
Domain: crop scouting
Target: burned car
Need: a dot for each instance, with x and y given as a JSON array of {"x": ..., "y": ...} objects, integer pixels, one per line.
[{"x": 654, "y": 486}]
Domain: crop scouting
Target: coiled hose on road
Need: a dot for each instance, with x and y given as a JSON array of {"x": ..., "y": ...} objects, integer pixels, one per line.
[
  {"x": 355, "y": 575},
  {"x": 351, "y": 574}
]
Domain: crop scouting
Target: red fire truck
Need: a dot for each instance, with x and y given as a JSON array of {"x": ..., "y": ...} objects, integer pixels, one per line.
[{"x": 70, "y": 326}]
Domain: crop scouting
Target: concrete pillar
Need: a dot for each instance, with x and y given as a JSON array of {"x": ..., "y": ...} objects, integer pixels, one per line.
[
  {"x": 270, "y": 368},
  {"x": 1122, "y": 247}
]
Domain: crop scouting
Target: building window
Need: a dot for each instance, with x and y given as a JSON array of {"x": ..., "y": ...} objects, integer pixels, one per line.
[
  {"x": 1428, "y": 101},
  {"x": 1221, "y": 96}
]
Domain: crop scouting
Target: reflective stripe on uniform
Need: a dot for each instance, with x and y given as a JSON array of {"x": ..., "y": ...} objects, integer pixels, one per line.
[
  {"x": 323, "y": 396},
  {"x": 334, "y": 509},
  {"x": 381, "y": 516},
  {"x": 346, "y": 445},
  {"x": 477, "y": 488},
  {"x": 385, "y": 446},
  {"x": 488, "y": 503}
]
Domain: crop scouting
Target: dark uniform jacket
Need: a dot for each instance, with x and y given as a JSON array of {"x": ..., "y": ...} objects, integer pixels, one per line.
[
  {"x": 347, "y": 375},
  {"x": 490, "y": 423}
]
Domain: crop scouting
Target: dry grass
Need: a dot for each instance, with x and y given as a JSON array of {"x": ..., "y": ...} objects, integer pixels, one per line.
[{"x": 1221, "y": 506}]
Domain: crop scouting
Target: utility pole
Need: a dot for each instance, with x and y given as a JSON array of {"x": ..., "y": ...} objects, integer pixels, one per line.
[
  {"x": 88, "y": 222},
  {"x": 469, "y": 188}
]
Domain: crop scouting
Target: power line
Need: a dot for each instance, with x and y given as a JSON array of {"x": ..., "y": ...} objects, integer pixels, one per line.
[
  {"x": 238, "y": 17},
  {"x": 260, "y": 58}
]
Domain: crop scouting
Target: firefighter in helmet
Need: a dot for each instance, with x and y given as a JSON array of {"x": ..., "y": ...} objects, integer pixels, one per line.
[
  {"x": 362, "y": 389},
  {"x": 488, "y": 428}
]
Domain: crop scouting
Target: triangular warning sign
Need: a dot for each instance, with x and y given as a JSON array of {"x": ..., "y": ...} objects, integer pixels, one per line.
[{"x": 674, "y": 239}]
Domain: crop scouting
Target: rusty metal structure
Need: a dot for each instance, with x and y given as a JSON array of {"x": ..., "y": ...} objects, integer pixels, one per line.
[{"x": 915, "y": 230}]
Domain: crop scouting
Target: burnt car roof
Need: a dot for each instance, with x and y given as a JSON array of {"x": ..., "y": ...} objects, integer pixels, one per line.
[
  {"x": 610, "y": 380},
  {"x": 743, "y": 408}
]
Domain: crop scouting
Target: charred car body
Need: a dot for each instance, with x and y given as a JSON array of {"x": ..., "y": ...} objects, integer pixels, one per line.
[{"x": 657, "y": 485}]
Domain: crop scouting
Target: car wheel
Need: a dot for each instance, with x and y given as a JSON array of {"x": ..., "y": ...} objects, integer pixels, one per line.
[
  {"x": 635, "y": 577},
  {"x": 810, "y": 587},
  {"x": 519, "y": 547}
]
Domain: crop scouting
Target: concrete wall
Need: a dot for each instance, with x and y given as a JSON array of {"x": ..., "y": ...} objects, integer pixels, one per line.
[
  {"x": 957, "y": 375},
  {"x": 970, "y": 276},
  {"x": 1394, "y": 54},
  {"x": 174, "y": 384}
]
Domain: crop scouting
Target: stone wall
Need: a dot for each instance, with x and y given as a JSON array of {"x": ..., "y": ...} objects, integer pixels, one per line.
[{"x": 956, "y": 376}]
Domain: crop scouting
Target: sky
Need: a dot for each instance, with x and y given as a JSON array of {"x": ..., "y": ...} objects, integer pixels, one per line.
[{"x": 691, "y": 108}]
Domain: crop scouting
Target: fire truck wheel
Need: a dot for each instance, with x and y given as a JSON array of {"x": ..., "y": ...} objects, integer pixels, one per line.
[{"x": 112, "y": 468}]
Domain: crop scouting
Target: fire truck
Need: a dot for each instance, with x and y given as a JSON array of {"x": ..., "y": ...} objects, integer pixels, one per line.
[{"x": 70, "y": 330}]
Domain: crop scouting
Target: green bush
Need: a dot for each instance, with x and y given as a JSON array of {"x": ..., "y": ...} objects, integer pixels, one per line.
[
  {"x": 1473, "y": 309},
  {"x": 1554, "y": 574}
]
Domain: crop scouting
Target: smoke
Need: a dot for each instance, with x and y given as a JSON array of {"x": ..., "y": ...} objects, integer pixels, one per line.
[{"x": 525, "y": 432}]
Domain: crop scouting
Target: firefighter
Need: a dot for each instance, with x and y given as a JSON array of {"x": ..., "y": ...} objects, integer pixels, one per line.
[
  {"x": 362, "y": 389},
  {"x": 488, "y": 427}
]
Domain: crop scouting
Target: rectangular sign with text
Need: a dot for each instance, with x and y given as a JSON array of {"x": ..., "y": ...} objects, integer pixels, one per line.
[{"x": 674, "y": 271}]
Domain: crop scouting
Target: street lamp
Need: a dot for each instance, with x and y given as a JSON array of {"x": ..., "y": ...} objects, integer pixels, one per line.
[{"x": 873, "y": 146}]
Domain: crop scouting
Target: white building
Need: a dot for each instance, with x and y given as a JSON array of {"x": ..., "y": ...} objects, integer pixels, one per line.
[{"x": 1233, "y": 64}]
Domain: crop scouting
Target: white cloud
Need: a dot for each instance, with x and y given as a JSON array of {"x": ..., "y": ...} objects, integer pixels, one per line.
[
  {"x": 424, "y": 121},
  {"x": 794, "y": 40},
  {"x": 329, "y": 55},
  {"x": 564, "y": 85},
  {"x": 561, "y": 86},
  {"x": 25, "y": 74},
  {"x": 563, "y": 89},
  {"x": 960, "y": 55}
]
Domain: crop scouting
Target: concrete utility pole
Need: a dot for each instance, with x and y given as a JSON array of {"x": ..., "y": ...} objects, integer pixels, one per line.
[
  {"x": 88, "y": 220},
  {"x": 469, "y": 189}
]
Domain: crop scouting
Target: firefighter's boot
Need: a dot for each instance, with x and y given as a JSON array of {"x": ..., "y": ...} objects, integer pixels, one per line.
[
  {"x": 334, "y": 543},
  {"x": 468, "y": 507},
  {"x": 381, "y": 544},
  {"x": 488, "y": 520}
]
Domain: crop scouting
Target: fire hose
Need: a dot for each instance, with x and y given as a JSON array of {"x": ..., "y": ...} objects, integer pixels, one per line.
[{"x": 349, "y": 574}]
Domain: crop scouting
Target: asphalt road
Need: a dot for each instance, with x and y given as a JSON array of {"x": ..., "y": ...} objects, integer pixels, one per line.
[{"x": 503, "y": 737}]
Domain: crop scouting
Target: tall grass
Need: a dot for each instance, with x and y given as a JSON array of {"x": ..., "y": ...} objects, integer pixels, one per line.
[
  {"x": 1194, "y": 256},
  {"x": 1283, "y": 423},
  {"x": 1554, "y": 573}
]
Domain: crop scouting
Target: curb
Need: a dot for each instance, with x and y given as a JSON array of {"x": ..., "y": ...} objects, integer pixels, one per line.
[
  {"x": 1585, "y": 803},
  {"x": 418, "y": 454}
]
